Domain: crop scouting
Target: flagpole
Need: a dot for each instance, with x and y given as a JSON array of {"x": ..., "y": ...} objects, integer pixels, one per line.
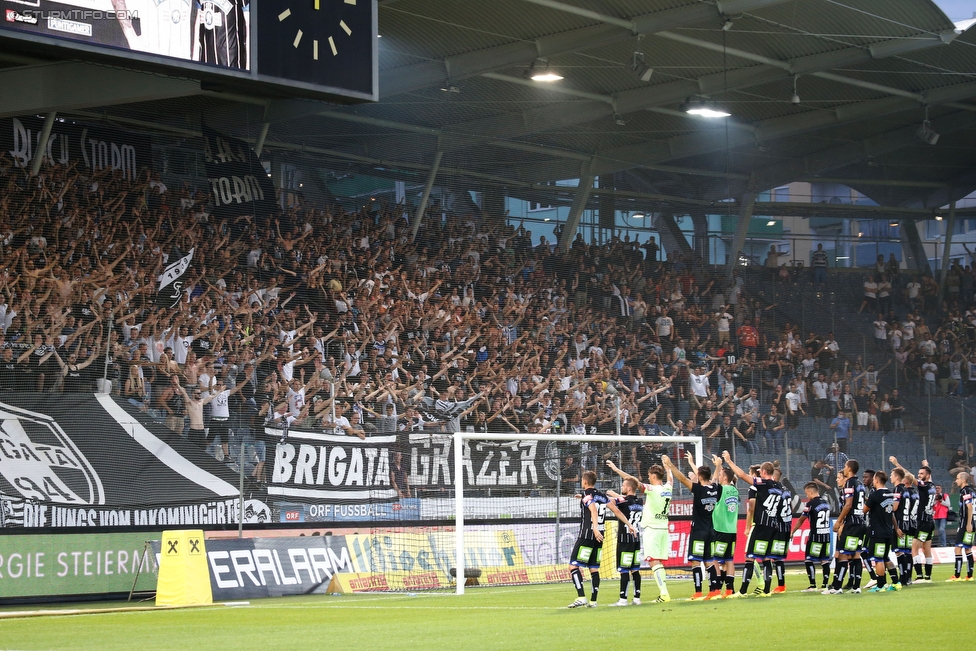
[{"x": 108, "y": 354}]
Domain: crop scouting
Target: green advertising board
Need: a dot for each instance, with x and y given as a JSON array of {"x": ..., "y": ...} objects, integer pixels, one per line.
[{"x": 75, "y": 564}]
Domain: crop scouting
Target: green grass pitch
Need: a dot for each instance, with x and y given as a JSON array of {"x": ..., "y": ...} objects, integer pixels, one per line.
[{"x": 529, "y": 617}]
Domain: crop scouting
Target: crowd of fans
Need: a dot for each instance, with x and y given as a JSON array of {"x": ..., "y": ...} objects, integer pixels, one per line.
[{"x": 340, "y": 321}]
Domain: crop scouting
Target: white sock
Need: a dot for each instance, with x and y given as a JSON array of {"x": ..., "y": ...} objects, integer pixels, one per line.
[{"x": 661, "y": 578}]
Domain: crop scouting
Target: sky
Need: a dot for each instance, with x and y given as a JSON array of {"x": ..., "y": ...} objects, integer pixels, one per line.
[{"x": 957, "y": 10}]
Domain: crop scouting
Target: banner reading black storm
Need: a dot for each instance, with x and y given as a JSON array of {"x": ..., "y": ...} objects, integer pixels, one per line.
[
  {"x": 84, "y": 460},
  {"x": 90, "y": 147},
  {"x": 238, "y": 182}
]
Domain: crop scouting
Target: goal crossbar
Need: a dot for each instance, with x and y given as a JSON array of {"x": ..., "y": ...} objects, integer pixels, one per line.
[{"x": 460, "y": 437}]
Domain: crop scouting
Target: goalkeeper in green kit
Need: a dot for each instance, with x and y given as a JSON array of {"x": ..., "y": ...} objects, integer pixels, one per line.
[
  {"x": 655, "y": 538},
  {"x": 725, "y": 519}
]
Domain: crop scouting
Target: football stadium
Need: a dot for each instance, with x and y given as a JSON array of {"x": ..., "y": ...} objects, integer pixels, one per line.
[{"x": 443, "y": 324}]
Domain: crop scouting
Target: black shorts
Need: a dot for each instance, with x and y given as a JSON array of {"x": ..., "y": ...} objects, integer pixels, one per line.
[
  {"x": 879, "y": 548},
  {"x": 818, "y": 550},
  {"x": 760, "y": 543},
  {"x": 587, "y": 552},
  {"x": 781, "y": 545},
  {"x": 220, "y": 428},
  {"x": 925, "y": 531},
  {"x": 700, "y": 545},
  {"x": 792, "y": 421},
  {"x": 963, "y": 539},
  {"x": 903, "y": 544},
  {"x": 851, "y": 538},
  {"x": 628, "y": 557},
  {"x": 723, "y": 546}
]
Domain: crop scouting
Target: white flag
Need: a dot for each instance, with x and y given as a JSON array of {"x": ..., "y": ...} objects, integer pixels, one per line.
[{"x": 175, "y": 270}]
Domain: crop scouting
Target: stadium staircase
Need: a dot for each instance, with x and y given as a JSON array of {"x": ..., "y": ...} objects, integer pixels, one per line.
[{"x": 832, "y": 307}]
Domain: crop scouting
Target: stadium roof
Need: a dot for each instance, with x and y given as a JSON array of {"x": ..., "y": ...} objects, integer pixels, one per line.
[{"x": 455, "y": 79}]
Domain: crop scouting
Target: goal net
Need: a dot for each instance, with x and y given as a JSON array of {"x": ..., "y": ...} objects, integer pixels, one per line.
[{"x": 507, "y": 500}]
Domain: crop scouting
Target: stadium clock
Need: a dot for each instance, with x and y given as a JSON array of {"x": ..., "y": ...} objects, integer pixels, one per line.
[{"x": 323, "y": 42}]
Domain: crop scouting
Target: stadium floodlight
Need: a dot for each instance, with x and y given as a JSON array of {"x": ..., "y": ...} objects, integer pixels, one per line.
[
  {"x": 925, "y": 132},
  {"x": 546, "y": 77},
  {"x": 704, "y": 109},
  {"x": 640, "y": 69},
  {"x": 549, "y": 446}
]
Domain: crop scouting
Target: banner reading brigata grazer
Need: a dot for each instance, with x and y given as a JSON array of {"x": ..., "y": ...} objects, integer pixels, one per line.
[
  {"x": 239, "y": 185},
  {"x": 88, "y": 146}
]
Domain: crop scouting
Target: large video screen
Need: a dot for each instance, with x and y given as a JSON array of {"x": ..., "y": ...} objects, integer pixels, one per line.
[{"x": 302, "y": 44}]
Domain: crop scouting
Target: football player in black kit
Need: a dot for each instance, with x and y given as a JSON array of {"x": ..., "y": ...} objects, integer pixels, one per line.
[
  {"x": 906, "y": 513},
  {"x": 781, "y": 542},
  {"x": 767, "y": 522},
  {"x": 817, "y": 510},
  {"x": 922, "y": 545},
  {"x": 588, "y": 550},
  {"x": 629, "y": 511},
  {"x": 850, "y": 531},
  {"x": 884, "y": 529},
  {"x": 705, "y": 495},
  {"x": 965, "y": 535}
]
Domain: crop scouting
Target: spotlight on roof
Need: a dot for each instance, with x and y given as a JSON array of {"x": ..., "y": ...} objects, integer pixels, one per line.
[
  {"x": 640, "y": 69},
  {"x": 727, "y": 25},
  {"x": 938, "y": 218},
  {"x": 546, "y": 77},
  {"x": 771, "y": 222},
  {"x": 925, "y": 132},
  {"x": 704, "y": 109},
  {"x": 619, "y": 120}
]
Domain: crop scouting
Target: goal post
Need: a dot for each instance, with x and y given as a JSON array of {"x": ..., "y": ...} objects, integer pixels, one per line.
[{"x": 463, "y": 440}]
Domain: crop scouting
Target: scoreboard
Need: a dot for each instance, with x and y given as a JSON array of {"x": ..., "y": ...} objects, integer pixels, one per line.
[{"x": 324, "y": 49}]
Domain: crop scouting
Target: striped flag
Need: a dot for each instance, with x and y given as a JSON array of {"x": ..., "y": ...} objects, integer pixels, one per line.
[{"x": 175, "y": 269}]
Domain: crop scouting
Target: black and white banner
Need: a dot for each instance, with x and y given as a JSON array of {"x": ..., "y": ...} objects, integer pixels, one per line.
[
  {"x": 335, "y": 467},
  {"x": 238, "y": 182},
  {"x": 90, "y": 147},
  {"x": 92, "y": 460},
  {"x": 83, "y": 460}
]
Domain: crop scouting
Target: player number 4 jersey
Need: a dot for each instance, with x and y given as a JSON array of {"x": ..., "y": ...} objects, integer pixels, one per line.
[{"x": 769, "y": 496}]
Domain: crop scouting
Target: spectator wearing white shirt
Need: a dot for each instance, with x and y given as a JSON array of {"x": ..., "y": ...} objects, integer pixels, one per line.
[
  {"x": 880, "y": 330},
  {"x": 794, "y": 408},
  {"x": 698, "y": 381},
  {"x": 929, "y": 370},
  {"x": 820, "y": 389}
]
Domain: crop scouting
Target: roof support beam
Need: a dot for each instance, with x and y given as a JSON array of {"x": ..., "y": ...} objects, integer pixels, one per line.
[
  {"x": 406, "y": 79},
  {"x": 695, "y": 144},
  {"x": 746, "y": 205},
  {"x": 426, "y": 197},
  {"x": 73, "y": 85},
  {"x": 944, "y": 271},
  {"x": 579, "y": 204},
  {"x": 911, "y": 245},
  {"x": 671, "y": 234},
  {"x": 565, "y": 114}
]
